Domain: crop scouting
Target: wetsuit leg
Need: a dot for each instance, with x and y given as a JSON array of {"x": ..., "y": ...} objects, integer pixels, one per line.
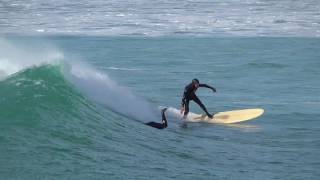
[
  {"x": 197, "y": 100},
  {"x": 186, "y": 107}
]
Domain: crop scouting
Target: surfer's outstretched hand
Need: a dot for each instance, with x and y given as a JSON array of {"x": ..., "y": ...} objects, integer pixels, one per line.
[{"x": 214, "y": 90}]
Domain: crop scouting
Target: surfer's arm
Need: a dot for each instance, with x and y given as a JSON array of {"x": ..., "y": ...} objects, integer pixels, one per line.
[{"x": 207, "y": 86}]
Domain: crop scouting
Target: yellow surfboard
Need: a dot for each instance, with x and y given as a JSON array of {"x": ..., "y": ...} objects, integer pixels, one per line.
[{"x": 226, "y": 117}]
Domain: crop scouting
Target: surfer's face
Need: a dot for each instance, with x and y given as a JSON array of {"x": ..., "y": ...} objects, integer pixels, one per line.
[{"x": 196, "y": 85}]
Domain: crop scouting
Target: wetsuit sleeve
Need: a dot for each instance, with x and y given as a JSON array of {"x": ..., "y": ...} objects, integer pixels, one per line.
[{"x": 207, "y": 86}]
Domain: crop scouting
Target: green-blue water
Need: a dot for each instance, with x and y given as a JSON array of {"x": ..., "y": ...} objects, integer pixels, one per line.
[{"x": 60, "y": 120}]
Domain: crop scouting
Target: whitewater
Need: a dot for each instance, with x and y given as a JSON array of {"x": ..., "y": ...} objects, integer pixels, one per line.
[{"x": 98, "y": 86}]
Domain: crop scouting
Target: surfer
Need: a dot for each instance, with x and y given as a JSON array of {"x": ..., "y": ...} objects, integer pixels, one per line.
[
  {"x": 162, "y": 125},
  {"x": 189, "y": 94}
]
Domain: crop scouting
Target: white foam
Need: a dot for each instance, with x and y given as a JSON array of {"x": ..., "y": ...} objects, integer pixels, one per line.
[
  {"x": 14, "y": 58},
  {"x": 96, "y": 85},
  {"x": 123, "y": 69},
  {"x": 175, "y": 113},
  {"x": 101, "y": 88}
]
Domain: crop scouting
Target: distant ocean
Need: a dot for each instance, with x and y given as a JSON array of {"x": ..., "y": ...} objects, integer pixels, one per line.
[{"x": 78, "y": 79}]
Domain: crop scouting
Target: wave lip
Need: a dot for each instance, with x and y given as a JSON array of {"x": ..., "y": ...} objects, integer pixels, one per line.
[
  {"x": 36, "y": 94},
  {"x": 16, "y": 58}
]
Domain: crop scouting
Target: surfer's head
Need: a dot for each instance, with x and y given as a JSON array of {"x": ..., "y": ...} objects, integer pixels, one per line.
[{"x": 195, "y": 82}]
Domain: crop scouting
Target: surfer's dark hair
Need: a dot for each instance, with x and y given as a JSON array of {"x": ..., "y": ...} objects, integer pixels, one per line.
[{"x": 195, "y": 81}]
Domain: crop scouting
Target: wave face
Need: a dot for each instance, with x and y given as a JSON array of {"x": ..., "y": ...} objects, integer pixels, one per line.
[
  {"x": 40, "y": 96},
  {"x": 47, "y": 125},
  {"x": 96, "y": 85},
  {"x": 162, "y": 17},
  {"x": 52, "y": 109}
]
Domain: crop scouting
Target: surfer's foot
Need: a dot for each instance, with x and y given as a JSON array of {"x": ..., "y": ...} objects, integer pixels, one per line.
[{"x": 210, "y": 115}]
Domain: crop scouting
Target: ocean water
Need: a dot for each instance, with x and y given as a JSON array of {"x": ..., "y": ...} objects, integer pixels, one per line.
[
  {"x": 79, "y": 79},
  {"x": 63, "y": 120},
  {"x": 161, "y": 17}
]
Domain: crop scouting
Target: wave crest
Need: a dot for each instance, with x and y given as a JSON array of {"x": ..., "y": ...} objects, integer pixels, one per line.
[{"x": 41, "y": 65}]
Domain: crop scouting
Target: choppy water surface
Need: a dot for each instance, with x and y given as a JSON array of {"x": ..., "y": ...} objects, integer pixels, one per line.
[{"x": 162, "y": 17}]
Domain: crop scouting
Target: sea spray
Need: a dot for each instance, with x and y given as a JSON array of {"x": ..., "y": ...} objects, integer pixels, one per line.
[
  {"x": 101, "y": 88},
  {"x": 98, "y": 86},
  {"x": 15, "y": 57}
]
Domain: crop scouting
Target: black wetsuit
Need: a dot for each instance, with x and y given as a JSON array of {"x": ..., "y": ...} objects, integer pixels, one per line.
[
  {"x": 162, "y": 125},
  {"x": 189, "y": 94}
]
